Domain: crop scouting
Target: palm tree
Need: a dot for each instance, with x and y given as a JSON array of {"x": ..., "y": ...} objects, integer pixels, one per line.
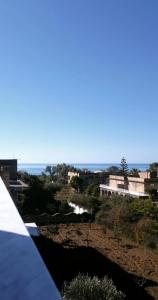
[{"x": 134, "y": 172}]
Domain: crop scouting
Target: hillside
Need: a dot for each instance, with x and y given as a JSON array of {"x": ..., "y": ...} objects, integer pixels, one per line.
[{"x": 136, "y": 261}]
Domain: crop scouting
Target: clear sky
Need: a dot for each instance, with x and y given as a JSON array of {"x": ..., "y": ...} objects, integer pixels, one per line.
[{"x": 79, "y": 80}]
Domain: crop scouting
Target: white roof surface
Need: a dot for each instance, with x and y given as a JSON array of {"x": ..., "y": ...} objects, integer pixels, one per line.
[
  {"x": 22, "y": 271},
  {"x": 32, "y": 229}
]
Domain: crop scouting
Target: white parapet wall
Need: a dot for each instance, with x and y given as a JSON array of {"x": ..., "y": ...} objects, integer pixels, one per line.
[
  {"x": 23, "y": 274},
  {"x": 32, "y": 229}
]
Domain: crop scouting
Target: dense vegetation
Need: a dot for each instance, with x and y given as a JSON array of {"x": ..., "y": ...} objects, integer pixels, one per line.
[
  {"x": 40, "y": 197},
  {"x": 50, "y": 193},
  {"x": 132, "y": 218},
  {"x": 136, "y": 219}
]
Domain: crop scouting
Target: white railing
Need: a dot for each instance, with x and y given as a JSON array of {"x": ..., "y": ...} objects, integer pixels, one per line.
[
  {"x": 23, "y": 274},
  {"x": 123, "y": 191}
]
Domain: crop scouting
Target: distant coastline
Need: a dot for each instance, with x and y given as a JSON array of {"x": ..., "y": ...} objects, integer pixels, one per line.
[{"x": 37, "y": 169}]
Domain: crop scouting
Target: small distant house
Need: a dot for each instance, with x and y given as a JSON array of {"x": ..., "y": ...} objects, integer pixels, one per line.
[
  {"x": 88, "y": 177},
  {"x": 9, "y": 174},
  {"x": 71, "y": 175}
]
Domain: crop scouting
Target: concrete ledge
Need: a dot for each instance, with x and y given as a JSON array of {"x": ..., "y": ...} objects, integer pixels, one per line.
[{"x": 22, "y": 271}]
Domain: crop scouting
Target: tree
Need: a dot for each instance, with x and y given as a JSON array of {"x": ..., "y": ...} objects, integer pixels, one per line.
[
  {"x": 113, "y": 214},
  {"x": 36, "y": 197},
  {"x": 124, "y": 167},
  {"x": 93, "y": 205},
  {"x": 48, "y": 170},
  {"x": 134, "y": 172},
  {"x": 40, "y": 197},
  {"x": 59, "y": 173},
  {"x": 93, "y": 190},
  {"x": 139, "y": 208},
  {"x": 76, "y": 182},
  {"x": 113, "y": 170},
  {"x": 146, "y": 231},
  {"x": 65, "y": 194},
  {"x": 84, "y": 287},
  {"x": 153, "y": 167}
]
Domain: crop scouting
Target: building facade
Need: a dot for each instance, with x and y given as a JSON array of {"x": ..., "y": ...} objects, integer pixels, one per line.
[
  {"x": 72, "y": 174},
  {"x": 132, "y": 186},
  {"x": 9, "y": 175},
  {"x": 88, "y": 177}
]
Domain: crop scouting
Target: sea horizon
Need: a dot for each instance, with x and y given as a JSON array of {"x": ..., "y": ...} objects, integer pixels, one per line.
[{"x": 38, "y": 168}]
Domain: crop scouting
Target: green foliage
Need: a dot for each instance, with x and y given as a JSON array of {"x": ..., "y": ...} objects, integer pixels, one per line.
[
  {"x": 40, "y": 197},
  {"x": 113, "y": 214},
  {"x": 134, "y": 172},
  {"x": 139, "y": 208},
  {"x": 36, "y": 197},
  {"x": 80, "y": 200},
  {"x": 86, "y": 288},
  {"x": 153, "y": 167},
  {"x": 77, "y": 183},
  {"x": 114, "y": 200},
  {"x": 146, "y": 232},
  {"x": 91, "y": 203},
  {"x": 59, "y": 173},
  {"x": 66, "y": 193},
  {"x": 113, "y": 170},
  {"x": 93, "y": 190},
  {"x": 134, "y": 218},
  {"x": 131, "y": 217}
]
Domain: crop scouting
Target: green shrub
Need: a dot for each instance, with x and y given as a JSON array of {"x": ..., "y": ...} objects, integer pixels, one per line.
[{"x": 84, "y": 287}]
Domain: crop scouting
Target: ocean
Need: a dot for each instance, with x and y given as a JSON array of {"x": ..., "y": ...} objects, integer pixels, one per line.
[{"x": 37, "y": 169}]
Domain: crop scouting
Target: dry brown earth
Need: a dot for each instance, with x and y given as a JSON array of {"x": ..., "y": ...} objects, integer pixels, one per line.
[{"x": 133, "y": 258}]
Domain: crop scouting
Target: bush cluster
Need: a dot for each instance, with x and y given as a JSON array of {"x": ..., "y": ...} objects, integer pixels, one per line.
[
  {"x": 87, "y": 288},
  {"x": 134, "y": 218}
]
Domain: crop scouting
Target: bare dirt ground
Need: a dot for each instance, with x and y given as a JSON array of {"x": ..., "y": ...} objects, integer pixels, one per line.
[{"x": 133, "y": 258}]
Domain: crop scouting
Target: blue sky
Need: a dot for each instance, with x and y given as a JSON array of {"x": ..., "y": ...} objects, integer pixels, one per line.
[{"x": 79, "y": 80}]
